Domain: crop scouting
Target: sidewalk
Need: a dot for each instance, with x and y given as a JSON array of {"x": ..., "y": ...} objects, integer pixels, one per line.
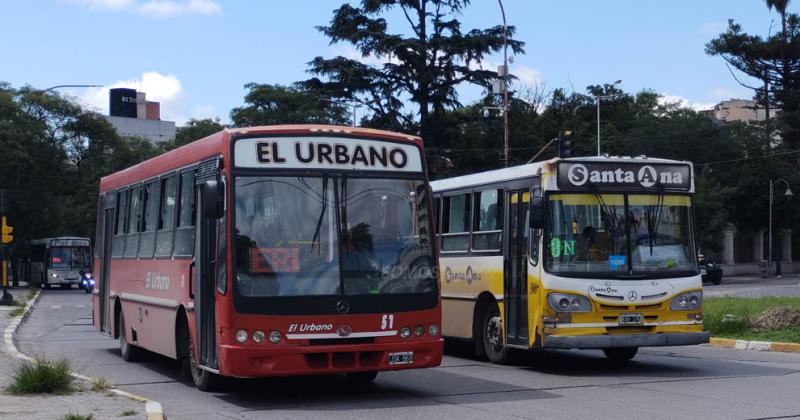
[{"x": 100, "y": 405}]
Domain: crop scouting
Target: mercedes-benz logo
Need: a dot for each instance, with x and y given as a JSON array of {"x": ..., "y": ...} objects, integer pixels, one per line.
[
  {"x": 344, "y": 330},
  {"x": 342, "y": 307},
  {"x": 632, "y": 295}
]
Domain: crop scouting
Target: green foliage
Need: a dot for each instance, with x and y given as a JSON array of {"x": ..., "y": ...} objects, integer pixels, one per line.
[
  {"x": 772, "y": 62},
  {"x": 42, "y": 377},
  {"x": 55, "y": 155},
  {"x": 732, "y": 318},
  {"x": 100, "y": 384},
  {"x": 421, "y": 64},
  {"x": 275, "y": 104},
  {"x": 193, "y": 130},
  {"x": 75, "y": 416}
]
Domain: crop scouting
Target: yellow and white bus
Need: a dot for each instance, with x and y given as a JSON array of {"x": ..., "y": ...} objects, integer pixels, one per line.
[{"x": 578, "y": 253}]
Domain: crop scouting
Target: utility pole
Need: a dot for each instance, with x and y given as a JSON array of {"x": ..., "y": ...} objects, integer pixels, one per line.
[{"x": 505, "y": 85}]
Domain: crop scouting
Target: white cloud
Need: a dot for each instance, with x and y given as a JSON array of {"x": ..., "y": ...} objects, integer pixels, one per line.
[
  {"x": 670, "y": 99},
  {"x": 164, "y": 88},
  {"x": 154, "y": 8}
]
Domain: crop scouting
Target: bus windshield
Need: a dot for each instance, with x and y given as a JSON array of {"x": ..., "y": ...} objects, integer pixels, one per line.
[
  {"x": 67, "y": 258},
  {"x": 618, "y": 234},
  {"x": 312, "y": 236}
]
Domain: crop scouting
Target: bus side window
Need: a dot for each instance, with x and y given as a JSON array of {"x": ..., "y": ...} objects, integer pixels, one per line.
[
  {"x": 488, "y": 220},
  {"x": 166, "y": 216},
  {"x": 455, "y": 226},
  {"x": 149, "y": 212},
  {"x": 222, "y": 248},
  {"x": 118, "y": 246},
  {"x": 184, "y": 234},
  {"x": 134, "y": 221}
]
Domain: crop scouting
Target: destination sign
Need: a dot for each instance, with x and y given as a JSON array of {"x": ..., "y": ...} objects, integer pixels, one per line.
[
  {"x": 69, "y": 242},
  {"x": 624, "y": 175},
  {"x": 326, "y": 153}
]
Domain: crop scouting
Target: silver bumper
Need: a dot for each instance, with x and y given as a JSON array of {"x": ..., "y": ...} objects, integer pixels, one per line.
[{"x": 624, "y": 340}]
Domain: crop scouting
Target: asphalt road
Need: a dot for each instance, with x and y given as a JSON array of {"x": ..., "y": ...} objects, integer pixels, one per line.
[
  {"x": 755, "y": 286},
  {"x": 664, "y": 383}
]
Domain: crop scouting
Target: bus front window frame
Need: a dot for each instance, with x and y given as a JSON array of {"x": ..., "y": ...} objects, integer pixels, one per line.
[{"x": 629, "y": 268}]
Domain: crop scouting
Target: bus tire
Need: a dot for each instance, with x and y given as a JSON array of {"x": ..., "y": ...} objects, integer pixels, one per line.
[
  {"x": 492, "y": 335},
  {"x": 620, "y": 354},
  {"x": 130, "y": 353},
  {"x": 204, "y": 380},
  {"x": 361, "y": 378}
]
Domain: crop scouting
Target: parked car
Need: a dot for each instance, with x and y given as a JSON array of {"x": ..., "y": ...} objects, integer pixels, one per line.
[{"x": 709, "y": 270}]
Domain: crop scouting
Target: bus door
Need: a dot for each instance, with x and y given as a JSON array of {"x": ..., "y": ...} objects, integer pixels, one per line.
[
  {"x": 515, "y": 267},
  {"x": 206, "y": 191},
  {"x": 105, "y": 240}
]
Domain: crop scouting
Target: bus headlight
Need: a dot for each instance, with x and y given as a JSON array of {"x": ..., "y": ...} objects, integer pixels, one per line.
[
  {"x": 241, "y": 336},
  {"x": 419, "y": 330},
  {"x": 275, "y": 337},
  {"x": 405, "y": 332},
  {"x": 258, "y": 336},
  {"x": 53, "y": 275},
  {"x": 564, "y": 302},
  {"x": 433, "y": 330},
  {"x": 687, "y": 301}
]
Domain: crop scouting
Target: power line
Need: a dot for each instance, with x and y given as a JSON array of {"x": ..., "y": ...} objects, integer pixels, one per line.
[{"x": 721, "y": 162}]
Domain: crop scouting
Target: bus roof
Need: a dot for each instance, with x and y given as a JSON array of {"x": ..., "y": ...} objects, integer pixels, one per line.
[
  {"x": 48, "y": 240},
  {"x": 529, "y": 170},
  {"x": 215, "y": 145}
]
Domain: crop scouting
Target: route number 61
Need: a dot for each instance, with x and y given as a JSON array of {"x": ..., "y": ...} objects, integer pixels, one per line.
[{"x": 387, "y": 322}]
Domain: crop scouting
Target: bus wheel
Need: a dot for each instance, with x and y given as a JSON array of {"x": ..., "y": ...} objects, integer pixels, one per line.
[
  {"x": 492, "y": 335},
  {"x": 129, "y": 351},
  {"x": 620, "y": 354},
  {"x": 204, "y": 380},
  {"x": 361, "y": 378}
]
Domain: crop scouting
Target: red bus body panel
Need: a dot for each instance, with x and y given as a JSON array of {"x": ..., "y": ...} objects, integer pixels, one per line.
[{"x": 151, "y": 292}]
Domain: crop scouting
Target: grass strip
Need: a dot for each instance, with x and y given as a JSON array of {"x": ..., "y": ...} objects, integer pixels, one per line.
[{"x": 730, "y": 317}]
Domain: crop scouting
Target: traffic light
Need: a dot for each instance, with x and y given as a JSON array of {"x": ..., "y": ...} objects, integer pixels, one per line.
[
  {"x": 7, "y": 230},
  {"x": 565, "y": 145}
]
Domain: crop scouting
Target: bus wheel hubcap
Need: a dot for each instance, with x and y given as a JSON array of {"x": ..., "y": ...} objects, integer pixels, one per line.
[{"x": 493, "y": 329}]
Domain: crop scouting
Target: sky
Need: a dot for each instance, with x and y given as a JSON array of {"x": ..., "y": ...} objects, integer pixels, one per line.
[{"x": 195, "y": 56}]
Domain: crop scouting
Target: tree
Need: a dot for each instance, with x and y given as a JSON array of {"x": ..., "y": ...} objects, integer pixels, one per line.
[
  {"x": 423, "y": 68},
  {"x": 193, "y": 130},
  {"x": 774, "y": 61},
  {"x": 275, "y": 104}
]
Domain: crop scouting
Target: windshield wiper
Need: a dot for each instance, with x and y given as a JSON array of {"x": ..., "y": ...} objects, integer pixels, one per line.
[
  {"x": 653, "y": 217},
  {"x": 321, "y": 214},
  {"x": 611, "y": 222}
]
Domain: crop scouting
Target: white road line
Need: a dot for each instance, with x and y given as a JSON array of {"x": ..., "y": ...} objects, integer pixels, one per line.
[{"x": 55, "y": 307}]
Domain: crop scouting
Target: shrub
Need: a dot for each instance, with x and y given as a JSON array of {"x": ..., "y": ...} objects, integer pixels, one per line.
[{"x": 42, "y": 377}]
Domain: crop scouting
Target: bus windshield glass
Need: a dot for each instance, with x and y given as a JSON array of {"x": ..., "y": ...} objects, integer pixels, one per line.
[
  {"x": 316, "y": 236},
  {"x": 67, "y": 258},
  {"x": 618, "y": 234}
]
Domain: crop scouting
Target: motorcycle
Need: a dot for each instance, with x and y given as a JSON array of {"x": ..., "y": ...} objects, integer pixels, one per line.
[{"x": 87, "y": 282}]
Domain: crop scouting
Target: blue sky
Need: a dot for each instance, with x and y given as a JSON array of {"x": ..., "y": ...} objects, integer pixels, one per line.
[{"x": 195, "y": 55}]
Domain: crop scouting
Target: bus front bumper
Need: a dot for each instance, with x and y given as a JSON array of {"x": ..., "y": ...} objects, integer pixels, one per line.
[
  {"x": 291, "y": 360},
  {"x": 624, "y": 340}
]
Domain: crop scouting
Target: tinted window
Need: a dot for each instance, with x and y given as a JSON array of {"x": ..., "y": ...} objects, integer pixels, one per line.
[
  {"x": 149, "y": 219},
  {"x": 455, "y": 223},
  {"x": 166, "y": 215},
  {"x": 184, "y": 235},
  {"x": 134, "y": 221},
  {"x": 118, "y": 247},
  {"x": 488, "y": 219}
]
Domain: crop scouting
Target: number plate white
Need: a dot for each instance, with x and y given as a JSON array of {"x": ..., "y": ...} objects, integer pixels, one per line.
[
  {"x": 401, "y": 358},
  {"x": 631, "y": 319}
]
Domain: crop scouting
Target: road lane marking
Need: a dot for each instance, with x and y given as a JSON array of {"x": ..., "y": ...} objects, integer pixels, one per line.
[{"x": 55, "y": 307}]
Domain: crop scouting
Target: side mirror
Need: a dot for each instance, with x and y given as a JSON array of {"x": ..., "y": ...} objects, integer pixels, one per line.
[
  {"x": 212, "y": 199},
  {"x": 536, "y": 220}
]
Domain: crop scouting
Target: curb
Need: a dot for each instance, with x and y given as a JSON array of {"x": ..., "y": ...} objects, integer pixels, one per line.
[
  {"x": 754, "y": 345},
  {"x": 152, "y": 408}
]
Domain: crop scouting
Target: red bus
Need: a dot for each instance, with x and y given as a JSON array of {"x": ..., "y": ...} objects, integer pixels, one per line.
[{"x": 273, "y": 251}]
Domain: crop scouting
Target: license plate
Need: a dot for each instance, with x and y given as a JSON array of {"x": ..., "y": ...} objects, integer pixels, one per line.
[
  {"x": 702, "y": 271},
  {"x": 631, "y": 319},
  {"x": 401, "y": 358}
]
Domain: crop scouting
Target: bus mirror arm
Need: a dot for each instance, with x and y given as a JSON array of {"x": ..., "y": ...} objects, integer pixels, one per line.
[
  {"x": 212, "y": 199},
  {"x": 536, "y": 219}
]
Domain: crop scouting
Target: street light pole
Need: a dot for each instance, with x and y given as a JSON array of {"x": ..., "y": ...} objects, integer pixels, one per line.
[
  {"x": 345, "y": 103},
  {"x": 788, "y": 193},
  {"x": 505, "y": 84},
  {"x": 597, "y": 99},
  {"x": 69, "y": 86}
]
